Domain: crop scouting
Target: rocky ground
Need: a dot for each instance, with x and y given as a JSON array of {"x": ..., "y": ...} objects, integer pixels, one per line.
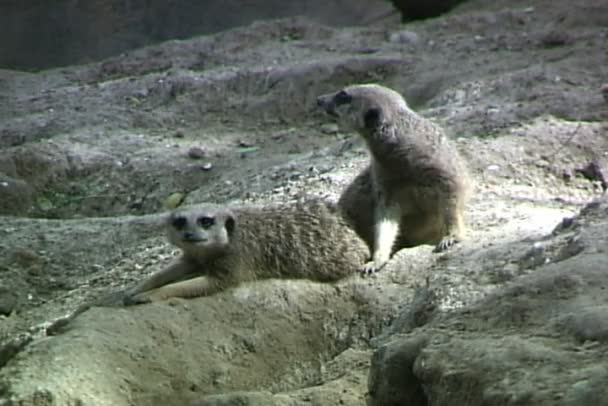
[{"x": 516, "y": 315}]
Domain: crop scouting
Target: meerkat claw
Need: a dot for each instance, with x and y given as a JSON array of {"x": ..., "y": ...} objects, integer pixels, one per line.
[
  {"x": 445, "y": 243},
  {"x": 130, "y": 300},
  {"x": 371, "y": 268}
]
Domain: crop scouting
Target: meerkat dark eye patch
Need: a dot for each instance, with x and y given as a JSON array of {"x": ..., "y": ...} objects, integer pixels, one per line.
[
  {"x": 205, "y": 221},
  {"x": 342, "y": 97},
  {"x": 372, "y": 118},
  {"x": 230, "y": 224},
  {"x": 178, "y": 222}
]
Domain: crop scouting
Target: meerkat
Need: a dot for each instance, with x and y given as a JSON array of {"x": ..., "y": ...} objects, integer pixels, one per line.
[
  {"x": 223, "y": 247},
  {"x": 415, "y": 189}
]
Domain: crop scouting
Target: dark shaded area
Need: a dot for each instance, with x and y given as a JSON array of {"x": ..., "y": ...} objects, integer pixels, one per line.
[
  {"x": 418, "y": 10},
  {"x": 37, "y": 34}
]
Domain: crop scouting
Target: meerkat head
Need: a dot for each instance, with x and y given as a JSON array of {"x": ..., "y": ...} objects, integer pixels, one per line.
[
  {"x": 201, "y": 231},
  {"x": 363, "y": 108}
]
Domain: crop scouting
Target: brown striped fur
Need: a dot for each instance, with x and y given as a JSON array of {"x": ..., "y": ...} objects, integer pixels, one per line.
[{"x": 308, "y": 240}]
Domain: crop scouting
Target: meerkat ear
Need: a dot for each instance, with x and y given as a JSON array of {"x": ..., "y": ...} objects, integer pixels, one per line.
[
  {"x": 372, "y": 118},
  {"x": 230, "y": 224},
  {"x": 176, "y": 221},
  {"x": 342, "y": 97}
]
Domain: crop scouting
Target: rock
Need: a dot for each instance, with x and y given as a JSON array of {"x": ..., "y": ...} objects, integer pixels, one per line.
[
  {"x": 239, "y": 399},
  {"x": 8, "y": 301},
  {"x": 189, "y": 340},
  {"x": 539, "y": 341},
  {"x": 595, "y": 171},
  {"x": 415, "y": 9},
  {"x": 555, "y": 38},
  {"x": 404, "y": 37},
  {"x": 16, "y": 196},
  {"x": 391, "y": 377},
  {"x": 174, "y": 200},
  {"x": 604, "y": 91},
  {"x": 329, "y": 128},
  {"x": 587, "y": 323},
  {"x": 121, "y": 29},
  {"x": 591, "y": 389},
  {"x": 11, "y": 348},
  {"x": 197, "y": 153}
]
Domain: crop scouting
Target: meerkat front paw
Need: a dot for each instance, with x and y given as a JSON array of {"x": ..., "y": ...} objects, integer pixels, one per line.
[
  {"x": 130, "y": 300},
  {"x": 372, "y": 267},
  {"x": 445, "y": 243}
]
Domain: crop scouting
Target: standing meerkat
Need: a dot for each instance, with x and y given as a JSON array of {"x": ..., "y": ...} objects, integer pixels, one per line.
[
  {"x": 415, "y": 189},
  {"x": 223, "y": 247}
]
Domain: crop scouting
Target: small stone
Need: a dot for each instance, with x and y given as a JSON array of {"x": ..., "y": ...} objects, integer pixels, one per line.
[
  {"x": 174, "y": 200},
  {"x": 207, "y": 167},
  {"x": 179, "y": 134},
  {"x": 594, "y": 171},
  {"x": 404, "y": 37},
  {"x": 604, "y": 91},
  {"x": 196, "y": 153},
  {"x": 555, "y": 39},
  {"x": 329, "y": 128},
  {"x": 8, "y": 301}
]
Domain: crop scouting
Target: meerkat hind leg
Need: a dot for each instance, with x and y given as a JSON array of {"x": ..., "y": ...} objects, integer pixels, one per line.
[
  {"x": 386, "y": 230},
  {"x": 454, "y": 227}
]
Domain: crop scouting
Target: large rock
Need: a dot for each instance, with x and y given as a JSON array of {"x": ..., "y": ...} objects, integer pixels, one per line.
[
  {"x": 270, "y": 335},
  {"x": 540, "y": 341}
]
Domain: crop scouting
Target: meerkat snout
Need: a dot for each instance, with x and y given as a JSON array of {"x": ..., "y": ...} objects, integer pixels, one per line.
[
  {"x": 331, "y": 102},
  {"x": 210, "y": 230}
]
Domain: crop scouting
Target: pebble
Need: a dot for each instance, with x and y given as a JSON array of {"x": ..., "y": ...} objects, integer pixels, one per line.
[
  {"x": 604, "y": 91},
  {"x": 404, "y": 37},
  {"x": 196, "y": 153},
  {"x": 329, "y": 128},
  {"x": 174, "y": 200},
  {"x": 8, "y": 301}
]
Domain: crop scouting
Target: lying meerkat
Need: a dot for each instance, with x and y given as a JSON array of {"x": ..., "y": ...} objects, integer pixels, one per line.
[
  {"x": 223, "y": 247},
  {"x": 414, "y": 190}
]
